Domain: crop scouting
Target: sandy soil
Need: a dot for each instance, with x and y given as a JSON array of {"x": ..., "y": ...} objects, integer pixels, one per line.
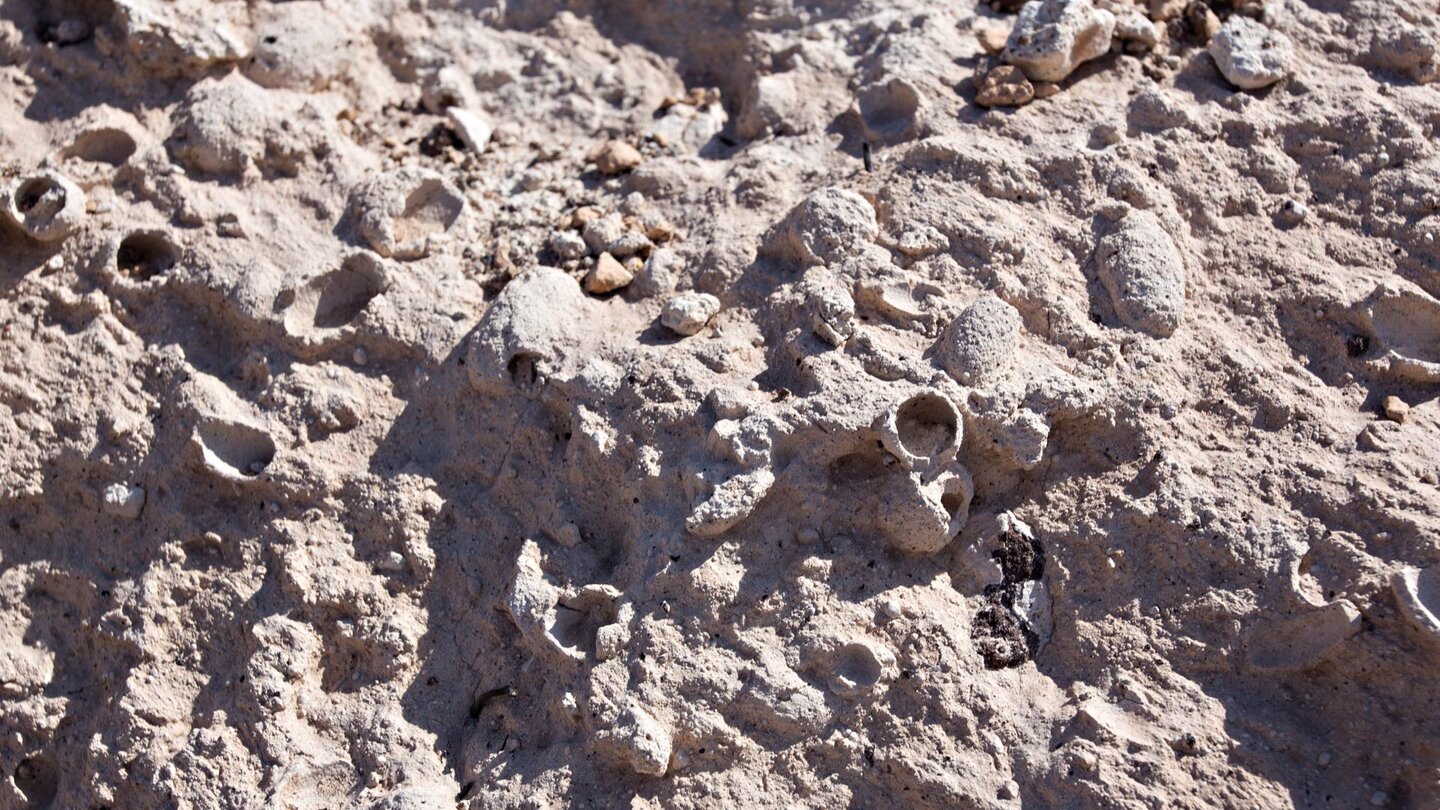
[{"x": 719, "y": 403}]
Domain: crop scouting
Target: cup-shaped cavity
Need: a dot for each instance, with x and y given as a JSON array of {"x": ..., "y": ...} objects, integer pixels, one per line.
[
  {"x": 923, "y": 430},
  {"x": 1405, "y": 330},
  {"x": 1418, "y": 592},
  {"x": 402, "y": 214},
  {"x": 335, "y": 299},
  {"x": 110, "y": 146},
  {"x": 859, "y": 667},
  {"x": 143, "y": 255},
  {"x": 233, "y": 450},
  {"x": 922, "y": 515},
  {"x": 891, "y": 110},
  {"x": 576, "y": 620},
  {"x": 46, "y": 205}
]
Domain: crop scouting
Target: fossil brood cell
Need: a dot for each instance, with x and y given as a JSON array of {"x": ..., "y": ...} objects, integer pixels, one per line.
[
  {"x": 530, "y": 332},
  {"x": 46, "y": 205}
]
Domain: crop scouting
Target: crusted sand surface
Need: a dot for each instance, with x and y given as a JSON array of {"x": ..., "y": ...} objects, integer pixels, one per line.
[{"x": 719, "y": 403}]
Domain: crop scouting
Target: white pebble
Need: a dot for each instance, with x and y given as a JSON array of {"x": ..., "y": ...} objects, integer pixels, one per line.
[
  {"x": 472, "y": 128},
  {"x": 687, "y": 313},
  {"x": 124, "y": 501}
]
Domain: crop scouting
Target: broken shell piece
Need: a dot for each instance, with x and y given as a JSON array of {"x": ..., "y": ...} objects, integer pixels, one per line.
[
  {"x": 859, "y": 667},
  {"x": 46, "y": 205},
  {"x": 1302, "y": 640},
  {"x": 574, "y": 628},
  {"x": 405, "y": 213},
  {"x": 529, "y": 333},
  {"x": 1418, "y": 592},
  {"x": 896, "y": 300},
  {"x": 556, "y": 622},
  {"x": 829, "y": 225},
  {"x": 923, "y": 430},
  {"x": 233, "y": 450},
  {"x": 980, "y": 344},
  {"x": 687, "y": 313},
  {"x": 1144, "y": 274},
  {"x": 1404, "y": 326},
  {"x": 1052, "y": 37},
  {"x": 730, "y": 503},
  {"x": 921, "y": 515}
]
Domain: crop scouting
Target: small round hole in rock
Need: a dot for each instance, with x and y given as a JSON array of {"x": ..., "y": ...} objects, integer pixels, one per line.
[
  {"x": 524, "y": 369},
  {"x": 235, "y": 450},
  {"x": 926, "y": 425},
  {"x": 110, "y": 146},
  {"x": 145, "y": 255},
  {"x": 345, "y": 293},
  {"x": 36, "y": 778},
  {"x": 40, "y": 195}
]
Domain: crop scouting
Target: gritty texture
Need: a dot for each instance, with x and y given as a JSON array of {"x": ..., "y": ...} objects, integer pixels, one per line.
[
  {"x": 1250, "y": 55},
  {"x": 1144, "y": 274},
  {"x": 1038, "y": 456}
]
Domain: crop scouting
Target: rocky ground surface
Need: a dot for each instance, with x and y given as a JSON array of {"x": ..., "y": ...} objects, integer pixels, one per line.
[{"x": 719, "y": 403}]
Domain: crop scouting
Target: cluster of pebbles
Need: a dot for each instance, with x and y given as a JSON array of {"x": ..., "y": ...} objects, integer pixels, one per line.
[
  {"x": 428, "y": 405},
  {"x": 1051, "y": 39}
]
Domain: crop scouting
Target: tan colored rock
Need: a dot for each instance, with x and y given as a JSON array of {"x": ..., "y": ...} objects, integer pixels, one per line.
[
  {"x": 608, "y": 275},
  {"x": 616, "y": 157},
  {"x": 992, "y": 40},
  {"x": 1202, "y": 20},
  {"x": 1005, "y": 86},
  {"x": 1395, "y": 409}
]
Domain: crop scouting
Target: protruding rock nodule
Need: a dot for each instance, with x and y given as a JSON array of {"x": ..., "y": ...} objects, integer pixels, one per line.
[
  {"x": 829, "y": 225},
  {"x": 1250, "y": 55},
  {"x": 980, "y": 344},
  {"x": 405, "y": 213},
  {"x": 1144, "y": 274},
  {"x": 529, "y": 333}
]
